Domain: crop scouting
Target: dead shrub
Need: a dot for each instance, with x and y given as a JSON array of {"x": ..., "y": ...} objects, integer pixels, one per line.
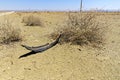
[
  {"x": 32, "y": 20},
  {"x": 80, "y": 29},
  {"x": 9, "y": 33}
]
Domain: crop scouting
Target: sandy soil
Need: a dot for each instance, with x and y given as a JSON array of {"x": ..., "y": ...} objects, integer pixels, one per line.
[
  {"x": 6, "y": 13},
  {"x": 62, "y": 62}
]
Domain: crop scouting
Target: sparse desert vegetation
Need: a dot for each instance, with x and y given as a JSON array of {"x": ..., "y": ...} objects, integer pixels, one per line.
[
  {"x": 9, "y": 33},
  {"x": 80, "y": 29},
  {"x": 66, "y": 61},
  {"x": 32, "y": 20}
]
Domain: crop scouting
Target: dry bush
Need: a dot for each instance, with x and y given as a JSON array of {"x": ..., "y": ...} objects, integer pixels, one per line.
[
  {"x": 9, "y": 33},
  {"x": 32, "y": 20},
  {"x": 80, "y": 29}
]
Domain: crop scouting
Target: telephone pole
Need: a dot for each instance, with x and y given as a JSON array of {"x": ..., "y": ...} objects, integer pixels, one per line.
[{"x": 81, "y": 5}]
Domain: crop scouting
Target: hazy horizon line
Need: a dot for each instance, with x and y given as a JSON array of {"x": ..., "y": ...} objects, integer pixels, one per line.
[{"x": 33, "y": 10}]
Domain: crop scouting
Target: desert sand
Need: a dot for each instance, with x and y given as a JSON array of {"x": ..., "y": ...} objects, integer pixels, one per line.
[{"x": 62, "y": 62}]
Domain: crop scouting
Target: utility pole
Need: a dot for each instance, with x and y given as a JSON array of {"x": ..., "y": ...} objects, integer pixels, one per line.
[{"x": 81, "y": 5}]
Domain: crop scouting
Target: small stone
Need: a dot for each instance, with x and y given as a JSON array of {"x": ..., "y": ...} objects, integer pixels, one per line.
[{"x": 79, "y": 49}]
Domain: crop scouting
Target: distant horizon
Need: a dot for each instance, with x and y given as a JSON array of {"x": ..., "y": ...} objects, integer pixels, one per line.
[{"x": 30, "y": 10}]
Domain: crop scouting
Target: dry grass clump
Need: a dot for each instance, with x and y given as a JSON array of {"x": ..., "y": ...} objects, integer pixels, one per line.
[
  {"x": 32, "y": 20},
  {"x": 80, "y": 29},
  {"x": 9, "y": 33}
]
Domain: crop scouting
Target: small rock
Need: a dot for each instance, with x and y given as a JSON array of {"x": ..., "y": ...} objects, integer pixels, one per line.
[
  {"x": 27, "y": 68},
  {"x": 79, "y": 49},
  {"x": 113, "y": 41}
]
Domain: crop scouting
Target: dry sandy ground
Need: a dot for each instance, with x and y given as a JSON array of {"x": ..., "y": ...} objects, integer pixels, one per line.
[
  {"x": 6, "y": 13},
  {"x": 62, "y": 62}
]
